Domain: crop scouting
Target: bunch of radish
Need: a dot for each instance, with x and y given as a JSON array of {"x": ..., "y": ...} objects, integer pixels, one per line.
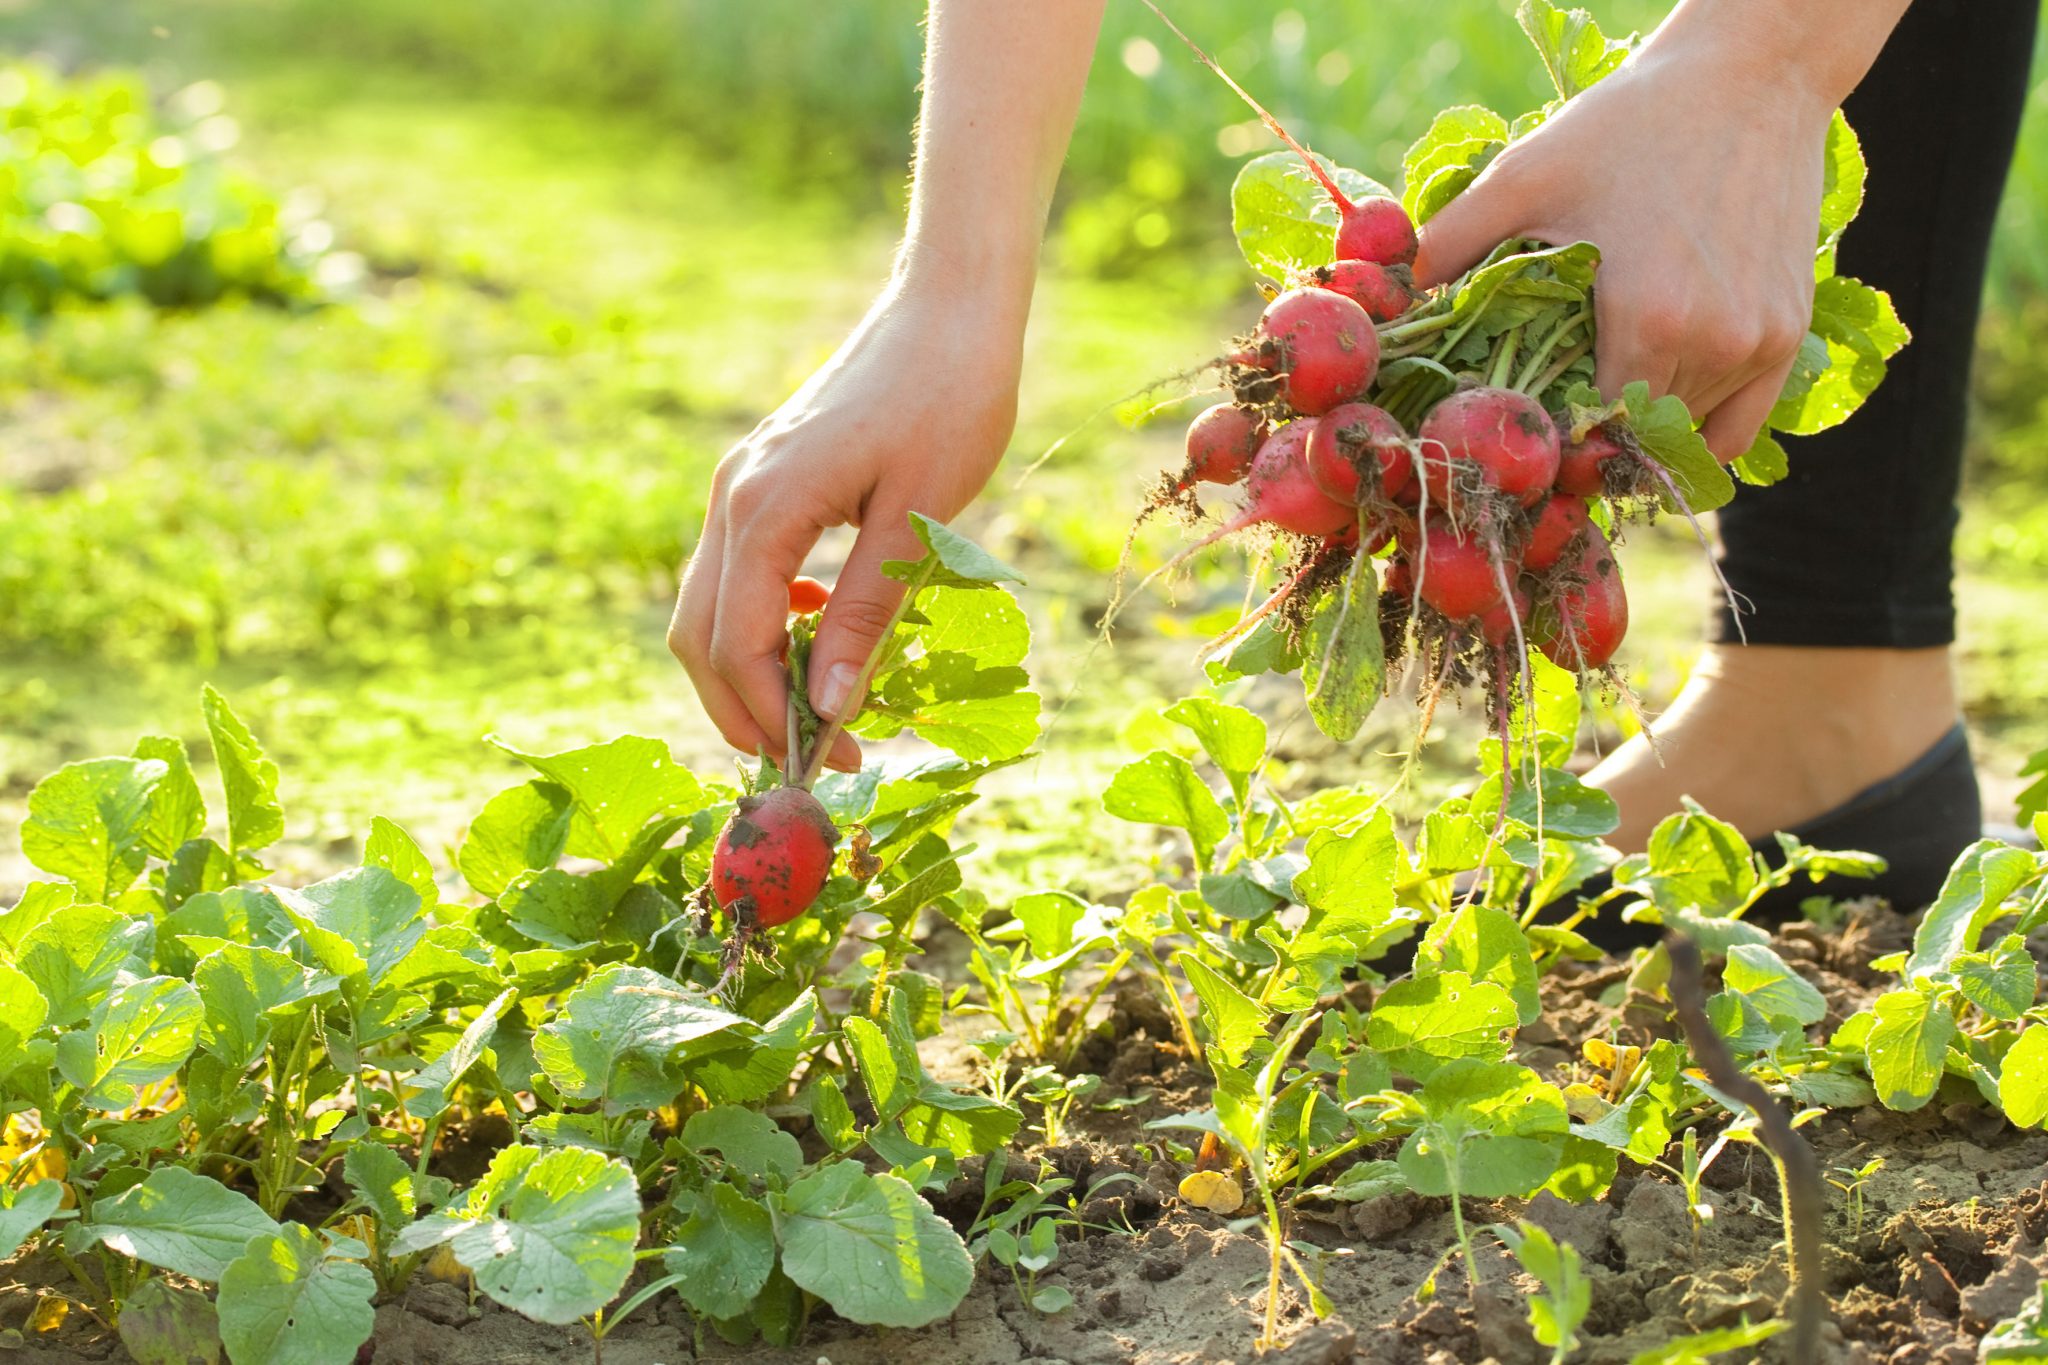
[{"x": 1448, "y": 441}]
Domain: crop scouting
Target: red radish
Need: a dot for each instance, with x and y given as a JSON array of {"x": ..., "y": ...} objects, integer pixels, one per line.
[
  {"x": 1353, "y": 437},
  {"x": 1556, "y": 523},
  {"x": 807, "y": 595},
  {"x": 1281, "y": 492},
  {"x": 1505, "y": 435},
  {"x": 1496, "y": 627},
  {"x": 1585, "y": 624},
  {"x": 1323, "y": 343},
  {"x": 1221, "y": 443},
  {"x": 1371, "y": 229},
  {"x": 1378, "y": 537},
  {"x": 1370, "y": 285},
  {"x": 1455, "y": 571},
  {"x": 1375, "y": 229},
  {"x": 776, "y": 852},
  {"x": 1582, "y": 465},
  {"x": 1400, "y": 579}
]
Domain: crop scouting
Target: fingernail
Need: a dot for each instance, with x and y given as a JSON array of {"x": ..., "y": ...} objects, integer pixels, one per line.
[{"x": 831, "y": 694}]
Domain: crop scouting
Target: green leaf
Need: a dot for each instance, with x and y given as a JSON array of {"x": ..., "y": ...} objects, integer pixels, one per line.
[
  {"x": 384, "y": 1183},
  {"x": 23, "y": 1011},
  {"x": 255, "y": 819},
  {"x": 1234, "y": 738},
  {"x": 74, "y": 957},
  {"x": 1984, "y": 874},
  {"x": 624, "y": 1035},
  {"x": 358, "y": 924},
  {"x": 1463, "y": 139},
  {"x": 1558, "y": 1312},
  {"x": 1841, "y": 188},
  {"x": 1525, "y": 286},
  {"x": 871, "y": 1248},
  {"x": 950, "y": 560},
  {"x": 284, "y": 1302},
  {"x": 139, "y": 1035},
  {"x": 1664, "y": 431},
  {"x": 962, "y": 686},
  {"x": 1486, "y": 945},
  {"x": 1424, "y": 1022},
  {"x": 1569, "y": 809},
  {"x": 1491, "y": 1130},
  {"x": 1768, "y": 982},
  {"x": 1907, "y": 1047},
  {"x": 614, "y": 790},
  {"x": 180, "y": 1222},
  {"x": 161, "y": 1325},
  {"x": 1343, "y": 659},
  {"x": 2000, "y": 981},
  {"x": 1164, "y": 789},
  {"x": 24, "y": 1210},
  {"x": 547, "y": 1234},
  {"x": 521, "y": 828},
  {"x": 1764, "y": 463},
  {"x": 90, "y": 822},
  {"x": 743, "y": 1075},
  {"x": 1699, "y": 863},
  {"x": 242, "y": 987},
  {"x": 1859, "y": 331},
  {"x": 1234, "y": 1020},
  {"x": 724, "y": 1251},
  {"x": 1701, "y": 1348},
  {"x": 1283, "y": 217},
  {"x": 427, "y": 1090},
  {"x": 177, "y": 812},
  {"x": 2022, "y": 1080},
  {"x": 751, "y": 1143},
  {"x": 398, "y": 853},
  {"x": 1575, "y": 53}
]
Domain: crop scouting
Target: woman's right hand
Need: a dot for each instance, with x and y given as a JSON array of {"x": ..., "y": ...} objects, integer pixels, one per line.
[{"x": 911, "y": 414}]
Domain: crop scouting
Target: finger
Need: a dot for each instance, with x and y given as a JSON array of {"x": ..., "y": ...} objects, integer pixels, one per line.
[
  {"x": 689, "y": 639},
  {"x": 1633, "y": 341},
  {"x": 1732, "y": 427},
  {"x": 763, "y": 551},
  {"x": 863, "y": 601},
  {"x": 1464, "y": 230}
]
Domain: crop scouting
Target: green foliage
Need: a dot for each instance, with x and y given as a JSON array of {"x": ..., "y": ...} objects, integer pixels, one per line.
[{"x": 105, "y": 193}]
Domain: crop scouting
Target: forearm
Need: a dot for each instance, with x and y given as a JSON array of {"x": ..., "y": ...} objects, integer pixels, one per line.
[
  {"x": 1819, "y": 48},
  {"x": 1002, "y": 84}
]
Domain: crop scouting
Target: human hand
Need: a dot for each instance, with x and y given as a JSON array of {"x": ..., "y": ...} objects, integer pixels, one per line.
[
  {"x": 1697, "y": 170},
  {"x": 911, "y": 414}
]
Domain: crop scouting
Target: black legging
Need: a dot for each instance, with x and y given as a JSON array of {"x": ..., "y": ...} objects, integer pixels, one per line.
[{"x": 1854, "y": 546}]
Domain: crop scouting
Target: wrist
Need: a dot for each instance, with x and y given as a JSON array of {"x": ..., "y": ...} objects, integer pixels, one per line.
[{"x": 1807, "y": 56}]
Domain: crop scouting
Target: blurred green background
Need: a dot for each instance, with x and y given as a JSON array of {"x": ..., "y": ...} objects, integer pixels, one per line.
[{"x": 568, "y": 252}]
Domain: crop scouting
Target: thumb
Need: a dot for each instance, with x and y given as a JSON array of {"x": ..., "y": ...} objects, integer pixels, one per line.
[
  {"x": 862, "y": 603},
  {"x": 1458, "y": 236}
]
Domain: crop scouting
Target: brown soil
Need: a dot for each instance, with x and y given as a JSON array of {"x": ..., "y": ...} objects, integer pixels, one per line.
[{"x": 1954, "y": 1237}]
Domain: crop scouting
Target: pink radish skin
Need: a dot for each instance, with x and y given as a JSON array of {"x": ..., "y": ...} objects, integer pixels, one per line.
[
  {"x": 1585, "y": 625},
  {"x": 1282, "y": 494},
  {"x": 1456, "y": 575},
  {"x": 1325, "y": 346},
  {"x": 1221, "y": 443},
  {"x": 1582, "y": 466},
  {"x": 1496, "y": 627},
  {"x": 1370, "y": 285},
  {"x": 1356, "y": 436},
  {"x": 775, "y": 851},
  {"x": 1376, "y": 230},
  {"x": 1506, "y": 434},
  {"x": 1550, "y": 534}
]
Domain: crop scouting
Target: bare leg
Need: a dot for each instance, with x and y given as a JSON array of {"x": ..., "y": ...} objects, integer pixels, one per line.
[{"x": 1768, "y": 736}]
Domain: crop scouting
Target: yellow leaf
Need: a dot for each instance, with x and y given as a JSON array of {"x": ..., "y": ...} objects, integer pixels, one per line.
[
  {"x": 1215, "y": 1191},
  {"x": 1599, "y": 1052},
  {"x": 49, "y": 1314},
  {"x": 443, "y": 1266}
]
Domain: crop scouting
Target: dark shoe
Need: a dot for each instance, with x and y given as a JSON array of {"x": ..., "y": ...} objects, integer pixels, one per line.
[{"x": 1917, "y": 820}]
